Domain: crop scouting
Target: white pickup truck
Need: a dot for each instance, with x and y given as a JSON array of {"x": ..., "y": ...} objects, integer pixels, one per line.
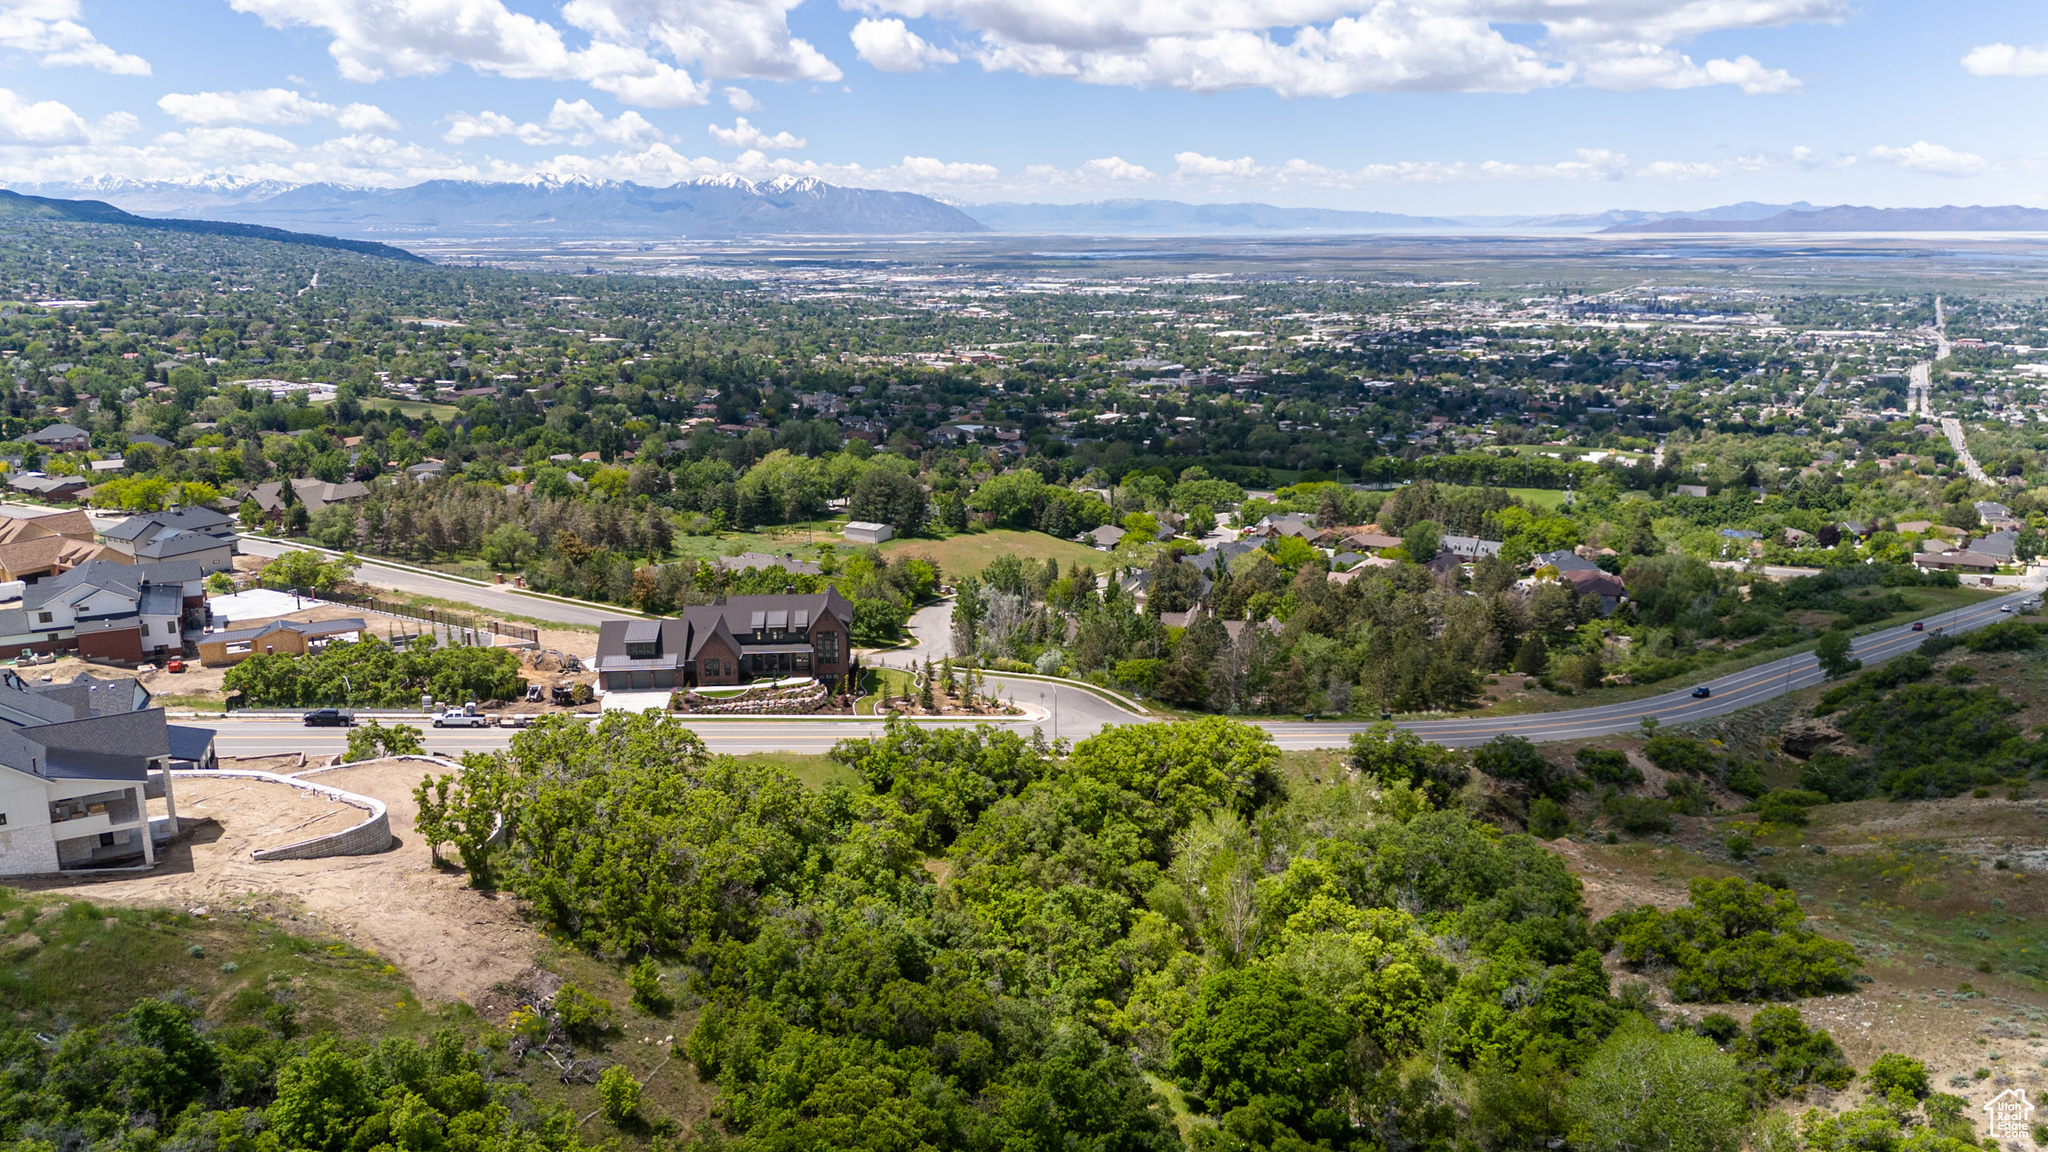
[{"x": 461, "y": 718}]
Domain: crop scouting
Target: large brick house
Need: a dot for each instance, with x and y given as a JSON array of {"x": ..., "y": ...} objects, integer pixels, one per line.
[{"x": 738, "y": 639}]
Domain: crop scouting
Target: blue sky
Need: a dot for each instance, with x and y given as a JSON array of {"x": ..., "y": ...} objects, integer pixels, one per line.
[{"x": 1421, "y": 106}]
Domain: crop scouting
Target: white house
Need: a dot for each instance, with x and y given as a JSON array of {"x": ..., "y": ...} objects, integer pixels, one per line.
[
  {"x": 78, "y": 762},
  {"x": 867, "y": 532}
]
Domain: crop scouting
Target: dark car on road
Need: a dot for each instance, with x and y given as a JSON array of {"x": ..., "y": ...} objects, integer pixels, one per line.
[
  {"x": 330, "y": 718},
  {"x": 1702, "y": 692}
]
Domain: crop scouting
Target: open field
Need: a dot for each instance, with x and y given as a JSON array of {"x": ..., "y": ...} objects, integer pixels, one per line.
[{"x": 969, "y": 553}]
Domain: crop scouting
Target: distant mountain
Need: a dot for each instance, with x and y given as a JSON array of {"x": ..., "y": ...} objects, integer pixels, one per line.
[
  {"x": 1747, "y": 210},
  {"x": 712, "y": 207},
  {"x": 1848, "y": 218},
  {"x": 15, "y": 206},
  {"x": 1171, "y": 217}
]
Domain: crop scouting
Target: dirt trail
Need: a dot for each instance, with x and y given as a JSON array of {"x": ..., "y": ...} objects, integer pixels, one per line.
[{"x": 453, "y": 942}]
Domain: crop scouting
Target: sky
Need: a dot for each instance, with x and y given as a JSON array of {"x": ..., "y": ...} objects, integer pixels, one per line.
[{"x": 1431, "y": 107}]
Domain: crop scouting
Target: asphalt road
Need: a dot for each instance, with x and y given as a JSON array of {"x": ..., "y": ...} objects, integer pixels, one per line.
[
  {"x": 1079, "y": 713},
  {"x": 484, "y": 598}
]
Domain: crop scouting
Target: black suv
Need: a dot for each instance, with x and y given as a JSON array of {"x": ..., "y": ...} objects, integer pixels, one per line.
[{"x": 330, "y": 718}]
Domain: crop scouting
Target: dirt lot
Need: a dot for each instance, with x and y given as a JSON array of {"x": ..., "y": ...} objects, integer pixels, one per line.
[{"x": 454, "y": 942}]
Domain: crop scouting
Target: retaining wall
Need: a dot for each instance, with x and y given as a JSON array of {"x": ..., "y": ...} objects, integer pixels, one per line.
[{"x": 371, "y": 836}]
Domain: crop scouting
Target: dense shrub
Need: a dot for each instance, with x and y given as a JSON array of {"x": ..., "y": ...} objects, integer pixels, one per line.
[
  {"x": 1607, "y": 766},
  {"x": 1637, "y": 815},
  {"x": 1678, "y": 753},
  {"x": 1735, "y": 941}
]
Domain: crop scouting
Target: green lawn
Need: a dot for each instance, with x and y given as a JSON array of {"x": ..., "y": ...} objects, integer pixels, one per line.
[
  {"x": 969, "y": 553},
  {"x": 1540, "y": 497}
]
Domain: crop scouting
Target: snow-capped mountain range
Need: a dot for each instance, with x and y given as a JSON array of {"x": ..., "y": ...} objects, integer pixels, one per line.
[{"x": 710, "y": 207}]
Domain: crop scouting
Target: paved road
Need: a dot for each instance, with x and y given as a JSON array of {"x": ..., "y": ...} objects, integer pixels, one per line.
[
  {"x": 484, "y": 598},
  {"x": 1953, "y": 428},
  {"x": 1081, "y": 713}
]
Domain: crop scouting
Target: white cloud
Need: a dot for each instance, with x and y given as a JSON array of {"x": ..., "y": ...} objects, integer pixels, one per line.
[
  {"x": 1339, "y": 47},
  {"x": 1117, "y": 169},
  {"x": 569, "y": 122},
  {"x": 373, "y": 39},
  {"x": 364, "y": 118},
  {"x": 2007, "y": 60},
  {"x": 50, "y": 29},
  {"x": 270, "y": 106},
  {"x": 41, "y": 124},
  {"x": 740, "y": 100},
  {"x": 1931, "y": 159},
  {"x": 745, "y": 135},
  {"x": 891, "y": 46}
]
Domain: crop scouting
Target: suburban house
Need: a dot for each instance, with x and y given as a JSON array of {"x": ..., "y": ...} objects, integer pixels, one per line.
[
  {"x": 1469, "y": 548},
  {"x": 35, "y": 546},
  {"x": 1696, "y": 491},
  {"x": 1998, "y": 517},
  {"x": 1998, "y": 545},
  {"x": 1566, "y": 561},
  {"x": 78, "y": 763},
  {"x": 62, "y": 438},
  {"x": 733, "y": 641},
  {"x": 121, "y": 612},
  {"x": 199, "y": 535},
  {"x": 289, "y": 637},
  {"x": 1104, "y": 536},
  {"x": 60, "y": 488},
  {"x": 313, "y": 492},
  {"x": 867, "y": 532},
  {"x": 1605, "y": 585},
  {"x": 1960, "y": 561}
]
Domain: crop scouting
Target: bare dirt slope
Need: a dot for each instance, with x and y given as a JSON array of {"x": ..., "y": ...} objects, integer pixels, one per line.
[{"x": 454, "y": 942}]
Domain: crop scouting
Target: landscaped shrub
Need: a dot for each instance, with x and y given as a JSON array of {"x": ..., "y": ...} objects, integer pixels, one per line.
[{"x": 1734, "y": 941}]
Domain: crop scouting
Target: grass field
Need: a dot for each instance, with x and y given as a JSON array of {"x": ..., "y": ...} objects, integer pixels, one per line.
[
  {"x": 817, "y": 772},
  {"x": 1540, "y": 497},
  {"x": 968, "y": 554},
  {"x": 416, "y": 408}
]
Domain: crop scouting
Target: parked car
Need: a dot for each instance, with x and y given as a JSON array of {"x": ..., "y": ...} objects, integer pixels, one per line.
[
  {"x": 330, "y": 718},
  {"x": 1702, "y": 692},
  {"x": 461, "y": 718}
]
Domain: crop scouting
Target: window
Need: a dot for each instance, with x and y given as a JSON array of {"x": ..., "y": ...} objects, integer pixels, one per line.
[
  {"x": 828, "y": 647},
  {"x": 44, "y": 618},
  {"x": 145, "y": 627}
]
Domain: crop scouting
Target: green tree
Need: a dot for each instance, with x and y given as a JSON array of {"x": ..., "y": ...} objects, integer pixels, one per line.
[
  {"x": 1396, "y": 755},
  {"x": 507, "y": 546},
  {"x": 1836, "y": 654},
  {"x": 1422, "y": 540},
  {"x": 619, "y": 1095},
  {"x": 309, "y": 570},
  {"x": 1649, "y": 1092},
  {"x": 1253, "y": 1035}
]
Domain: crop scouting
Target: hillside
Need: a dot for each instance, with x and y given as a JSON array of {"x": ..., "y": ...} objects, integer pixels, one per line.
[{"x": 15, "y": 206}]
